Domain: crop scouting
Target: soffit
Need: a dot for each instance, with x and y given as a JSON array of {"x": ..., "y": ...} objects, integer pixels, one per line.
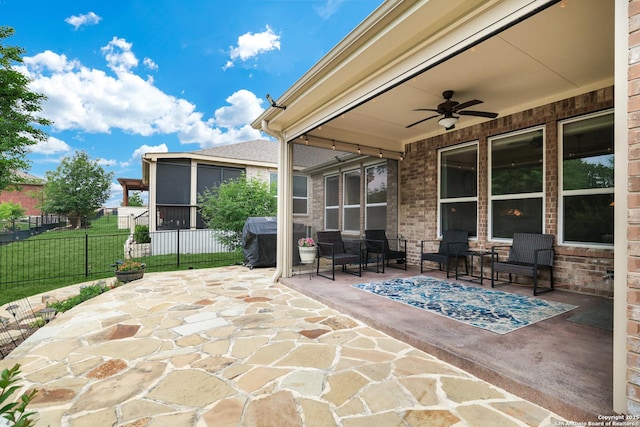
[{"x": 564, "y": 50}]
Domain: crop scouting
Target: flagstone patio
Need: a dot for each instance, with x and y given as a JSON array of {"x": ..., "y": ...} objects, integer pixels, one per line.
[{"x": 227, "y": 346}]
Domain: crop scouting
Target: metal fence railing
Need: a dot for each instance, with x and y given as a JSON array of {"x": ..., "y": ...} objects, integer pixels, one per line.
[
  {"x": 87, "y": 256},
  {"x": 23, "y": 228}
]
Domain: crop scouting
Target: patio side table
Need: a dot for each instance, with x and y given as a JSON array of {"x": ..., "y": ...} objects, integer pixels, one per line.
[{"x": 481, "y": 255}]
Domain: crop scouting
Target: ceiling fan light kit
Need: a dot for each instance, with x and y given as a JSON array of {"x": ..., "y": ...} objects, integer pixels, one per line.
[
  {"x": 448, "y": 122},
  {"x": 449, "y": 107}
]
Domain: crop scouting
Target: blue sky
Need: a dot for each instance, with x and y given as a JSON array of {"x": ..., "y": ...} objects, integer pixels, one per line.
[{"x": 124, "y": 77}]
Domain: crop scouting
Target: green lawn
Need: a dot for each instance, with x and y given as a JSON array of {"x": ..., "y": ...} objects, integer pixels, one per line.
[{"x": 61, "y": 258}]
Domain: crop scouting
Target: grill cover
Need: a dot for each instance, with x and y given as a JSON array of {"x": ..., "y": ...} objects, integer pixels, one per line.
[{"x": 259, "y": 237}]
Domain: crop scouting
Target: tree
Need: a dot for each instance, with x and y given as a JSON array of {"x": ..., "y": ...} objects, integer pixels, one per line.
[
  {"x": 76, "y": 188},
  {"x": 135, "y": 199},
  {"x": 11, "y": 212},
  {"x": 18, "y": 109},
  {"x": 226, "y": 208}
]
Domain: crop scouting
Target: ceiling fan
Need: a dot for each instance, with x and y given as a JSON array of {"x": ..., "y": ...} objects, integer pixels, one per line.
[{"x": 448, "y": 108}]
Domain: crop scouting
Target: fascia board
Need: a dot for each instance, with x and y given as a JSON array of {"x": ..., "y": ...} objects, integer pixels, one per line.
[
  {"x": 327, "y": 98},
  {"x": 207, "y": 159}
]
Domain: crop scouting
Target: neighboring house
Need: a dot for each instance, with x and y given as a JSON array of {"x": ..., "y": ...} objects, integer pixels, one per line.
[
  {"x": 549, "y": 69},
  {"x": 176, "y": 179},
  {"x": 28, "y": 193}
]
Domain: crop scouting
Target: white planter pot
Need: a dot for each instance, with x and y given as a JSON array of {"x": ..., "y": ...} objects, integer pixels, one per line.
[{"x": 307, "y": 254}]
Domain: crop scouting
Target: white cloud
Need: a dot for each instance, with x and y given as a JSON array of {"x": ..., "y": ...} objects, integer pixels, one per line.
[
  {"x": 148, "y": 62},
  {"x": 107, "y": 162},
  {"x": 328, "y": 9},
  {"x": 115, "y": 199},
  {"x": 251, "y": 45},
  {"x": 140, "y": 151},
  {"x": 50, "y": 146},
  {"x": 90, "y": 100},
  {"x": 119, "y": 55},
  {"x": 48, "y": 61},
  {"x": 245, "y": 106},
  {"x": 80, "y": 20}
]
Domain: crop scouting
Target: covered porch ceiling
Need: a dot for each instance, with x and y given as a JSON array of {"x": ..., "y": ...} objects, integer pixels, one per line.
[{"x": 513, "y": 55}]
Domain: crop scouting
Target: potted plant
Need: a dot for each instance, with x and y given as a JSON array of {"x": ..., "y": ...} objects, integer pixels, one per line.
[
  {"x": 129, "y": 270},
  {"x": 307, "y": 250}
]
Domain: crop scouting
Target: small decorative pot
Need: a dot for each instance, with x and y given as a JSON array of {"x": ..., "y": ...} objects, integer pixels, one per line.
[
  {"x": 128, "y": 276},
  {"x": 307, "y": 254}
]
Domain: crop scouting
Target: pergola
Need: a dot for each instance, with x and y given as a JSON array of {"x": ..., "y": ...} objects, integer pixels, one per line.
[{"x": 133, "y": 184}]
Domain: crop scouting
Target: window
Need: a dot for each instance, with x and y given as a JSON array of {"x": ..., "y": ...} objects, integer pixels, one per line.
[
  {"x": 173, "y": 217},
  {"x": 351, "y": 209},
  {"x": 331, "y": 202},
  {"x": 210, "y": 177},
  {"x": 517, "y": 178},
  {"x": 173, "y": 182},
  {"x": 458, "y": 191},
  {"x": 587, "y": 180},
  {"x": 300, "y": 192},
  {"x": 173, "y": 194},
  {"x": 376, "y": 200}
]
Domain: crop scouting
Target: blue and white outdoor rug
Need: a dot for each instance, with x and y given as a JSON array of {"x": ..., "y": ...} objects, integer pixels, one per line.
[{"x": 496, "y": 311}]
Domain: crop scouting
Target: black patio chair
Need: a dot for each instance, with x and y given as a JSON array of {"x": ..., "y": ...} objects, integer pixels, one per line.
[
  {"x": 454, "y": 244},
  {"x": 376, "y": 242},
  {"x": 332, "y": 247},
  {"x": 529, "y": 253}
]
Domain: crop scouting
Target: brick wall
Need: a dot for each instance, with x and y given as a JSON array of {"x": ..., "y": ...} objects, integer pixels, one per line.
[
  {"x": 633, "y": 200},
  {"x": 576, "y": 269},
  {"x": 29, "y": 196}
]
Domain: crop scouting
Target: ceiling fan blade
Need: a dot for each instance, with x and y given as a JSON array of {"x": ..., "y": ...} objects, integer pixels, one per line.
[
  {"x": 426, "y": 109},
  {"x": 478, "y": 114},
  {"x": 419, "y": 121},
  {"x": 466, "y": 105}
]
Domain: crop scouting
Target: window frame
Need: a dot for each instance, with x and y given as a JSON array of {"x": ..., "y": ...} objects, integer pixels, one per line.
[
  {"x": 305, "y": 197},
  {"x": 367, "y": 205},
  {"x": 331, "y": 207},
  {"x": 562, "y": 193},
  {"x": 521, "y": 196},
  {"x": 466, "y": 199},
  {"x": 357, "y": 206},
  {"x": 273, "y": 179}
]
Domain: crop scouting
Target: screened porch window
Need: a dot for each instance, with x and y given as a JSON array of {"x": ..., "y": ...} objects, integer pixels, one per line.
[
  {"x": 458, "y": 191},
  {"x": 173, "y": 194},
  {"x": 517, "y": 178},
  {"x": 351, "y": 207},
  {"x": 376, "y": 199},
  {"x": 331, "y": 202},
  {"x": 587, "y": 180}
]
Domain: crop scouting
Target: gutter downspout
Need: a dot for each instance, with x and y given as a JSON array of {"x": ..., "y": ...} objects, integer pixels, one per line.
[{"x": 285, "y": 204}]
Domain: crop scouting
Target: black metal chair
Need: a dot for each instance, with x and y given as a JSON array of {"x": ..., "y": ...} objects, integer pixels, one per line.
[
  {"x": 332, "y": 247},
  {"x": 376, "y": 242},
  {"x": 454, "y": 244},
  {"x": 529, "y": 253}
]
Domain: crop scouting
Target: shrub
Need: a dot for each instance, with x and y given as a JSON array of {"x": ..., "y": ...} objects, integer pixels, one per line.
[
  {"x": 141, "y": 234},
  {"x": 86, "y": 293},
  {"x": 225, "y": 208},
  {"x": 15, "y": 412}
]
